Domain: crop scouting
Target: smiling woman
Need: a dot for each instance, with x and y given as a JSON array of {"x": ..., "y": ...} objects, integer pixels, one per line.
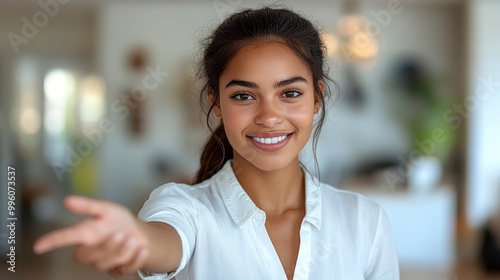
[
  {"x": 274, "y": 100},
  {"x": 253, "y": 206}
]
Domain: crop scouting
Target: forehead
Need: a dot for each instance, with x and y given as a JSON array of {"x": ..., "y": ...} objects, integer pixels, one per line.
[{"x": 265, "y": 62}]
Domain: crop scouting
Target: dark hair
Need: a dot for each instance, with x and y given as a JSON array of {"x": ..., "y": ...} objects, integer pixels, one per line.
[{"x": 239, "y": 29}]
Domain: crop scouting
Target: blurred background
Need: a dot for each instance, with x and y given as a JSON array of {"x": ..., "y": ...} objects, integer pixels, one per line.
[{"x": 100, "y": 98}]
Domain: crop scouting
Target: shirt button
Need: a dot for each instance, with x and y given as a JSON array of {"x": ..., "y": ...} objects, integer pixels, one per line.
[{"x": 260, "y": 216}]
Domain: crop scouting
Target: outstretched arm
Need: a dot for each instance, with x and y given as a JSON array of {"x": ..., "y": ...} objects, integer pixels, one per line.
[{"x": 112, "y": 238}]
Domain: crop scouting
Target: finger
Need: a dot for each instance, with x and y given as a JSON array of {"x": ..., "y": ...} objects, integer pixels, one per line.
[
  {"x": 120, "y": 257},
  {"x": 93, "y": 254},
  {"x": 136, "y": 263},
  {"x": 85, "y": 205},
  {"x": 85, "y": 232},
  {"x": 57, "y": 239}
]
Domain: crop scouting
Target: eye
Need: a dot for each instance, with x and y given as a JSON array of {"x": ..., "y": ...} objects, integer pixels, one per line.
[
  {"x": 292, "y": 94},
  {"x": 242, "y": 97}
]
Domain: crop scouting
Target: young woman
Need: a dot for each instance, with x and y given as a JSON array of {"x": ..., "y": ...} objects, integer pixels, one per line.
[{"x": 254, "y": 212}]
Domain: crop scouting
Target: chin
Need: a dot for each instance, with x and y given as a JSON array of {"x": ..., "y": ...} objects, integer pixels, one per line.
[{"x": 270, "y": 163}]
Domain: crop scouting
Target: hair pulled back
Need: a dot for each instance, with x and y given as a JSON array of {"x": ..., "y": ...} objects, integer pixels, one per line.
[{"x": 254, "y": 26}]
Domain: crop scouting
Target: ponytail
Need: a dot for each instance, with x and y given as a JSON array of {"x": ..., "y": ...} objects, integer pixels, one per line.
[{"x": 216, "y": 153}]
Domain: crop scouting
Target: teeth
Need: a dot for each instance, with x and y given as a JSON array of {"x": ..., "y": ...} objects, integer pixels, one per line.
[{"x": 273, "y": 140}]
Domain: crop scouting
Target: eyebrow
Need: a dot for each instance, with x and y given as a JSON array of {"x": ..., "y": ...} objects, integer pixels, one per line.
[{"x": 296, "y": 79}]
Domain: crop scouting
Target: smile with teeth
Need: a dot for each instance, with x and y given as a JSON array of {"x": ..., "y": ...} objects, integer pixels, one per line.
[{"x": 272, "y": 140}]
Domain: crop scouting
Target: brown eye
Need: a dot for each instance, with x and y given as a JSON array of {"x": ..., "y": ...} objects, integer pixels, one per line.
[
  {"x": 291, "y": 94},
  {"x": 242, "y": 97}
]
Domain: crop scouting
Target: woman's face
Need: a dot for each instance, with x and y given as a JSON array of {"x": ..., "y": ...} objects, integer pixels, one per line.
[{"x": 267, "y": 105}]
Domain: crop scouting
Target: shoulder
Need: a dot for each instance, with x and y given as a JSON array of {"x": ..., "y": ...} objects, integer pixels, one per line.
[
  {"x": 362, "y": 220},
  {"x": 170, "y": 189},
  {"x": 176, "y": 196},
  {"x": 347, "y": 199},
  {"x": 351, "y": 210}
]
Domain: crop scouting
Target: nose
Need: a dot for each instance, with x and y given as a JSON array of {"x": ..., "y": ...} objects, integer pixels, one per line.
[{"x": 269, "y": 113}]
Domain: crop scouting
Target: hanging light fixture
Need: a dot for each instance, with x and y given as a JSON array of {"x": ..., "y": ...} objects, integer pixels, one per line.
[{"x": 352, "y": 38}]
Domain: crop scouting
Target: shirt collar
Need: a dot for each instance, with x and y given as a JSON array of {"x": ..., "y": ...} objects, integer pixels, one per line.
[
  {"x": 313, "y": 199},
  {"x": 241, "y": 208}
]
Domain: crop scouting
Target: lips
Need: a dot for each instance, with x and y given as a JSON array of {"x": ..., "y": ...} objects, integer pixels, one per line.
[{"x": 270, "y": 142}]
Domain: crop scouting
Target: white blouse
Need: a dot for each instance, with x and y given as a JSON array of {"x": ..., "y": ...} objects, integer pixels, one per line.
[{"x": 343, "y": 235}]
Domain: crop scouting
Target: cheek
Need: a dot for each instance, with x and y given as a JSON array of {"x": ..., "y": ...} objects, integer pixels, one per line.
[
  {"x": 234, "y": 120},
  {"x": 301, "y": 116}
]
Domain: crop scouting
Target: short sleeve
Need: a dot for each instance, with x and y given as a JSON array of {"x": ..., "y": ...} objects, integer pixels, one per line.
[
  {"x": 172, "y": 204},
  {"x": 383, "y": 261}
]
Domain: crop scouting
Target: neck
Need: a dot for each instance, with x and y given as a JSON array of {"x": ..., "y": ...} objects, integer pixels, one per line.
[{"x": 275, "y": 192}]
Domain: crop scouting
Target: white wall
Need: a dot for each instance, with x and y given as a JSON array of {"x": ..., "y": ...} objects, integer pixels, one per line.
[
  {"x": 483, "y": 104},
  {"x": 167, "y": 31}
]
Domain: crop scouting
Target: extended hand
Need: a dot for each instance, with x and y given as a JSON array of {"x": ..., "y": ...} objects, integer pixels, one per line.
[{"x": 111, "y": 239}]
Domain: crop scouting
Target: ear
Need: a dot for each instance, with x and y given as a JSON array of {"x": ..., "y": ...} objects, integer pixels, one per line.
[
  {"x": 318, "y": 101},
  {"x": 211, "y": 99}
]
